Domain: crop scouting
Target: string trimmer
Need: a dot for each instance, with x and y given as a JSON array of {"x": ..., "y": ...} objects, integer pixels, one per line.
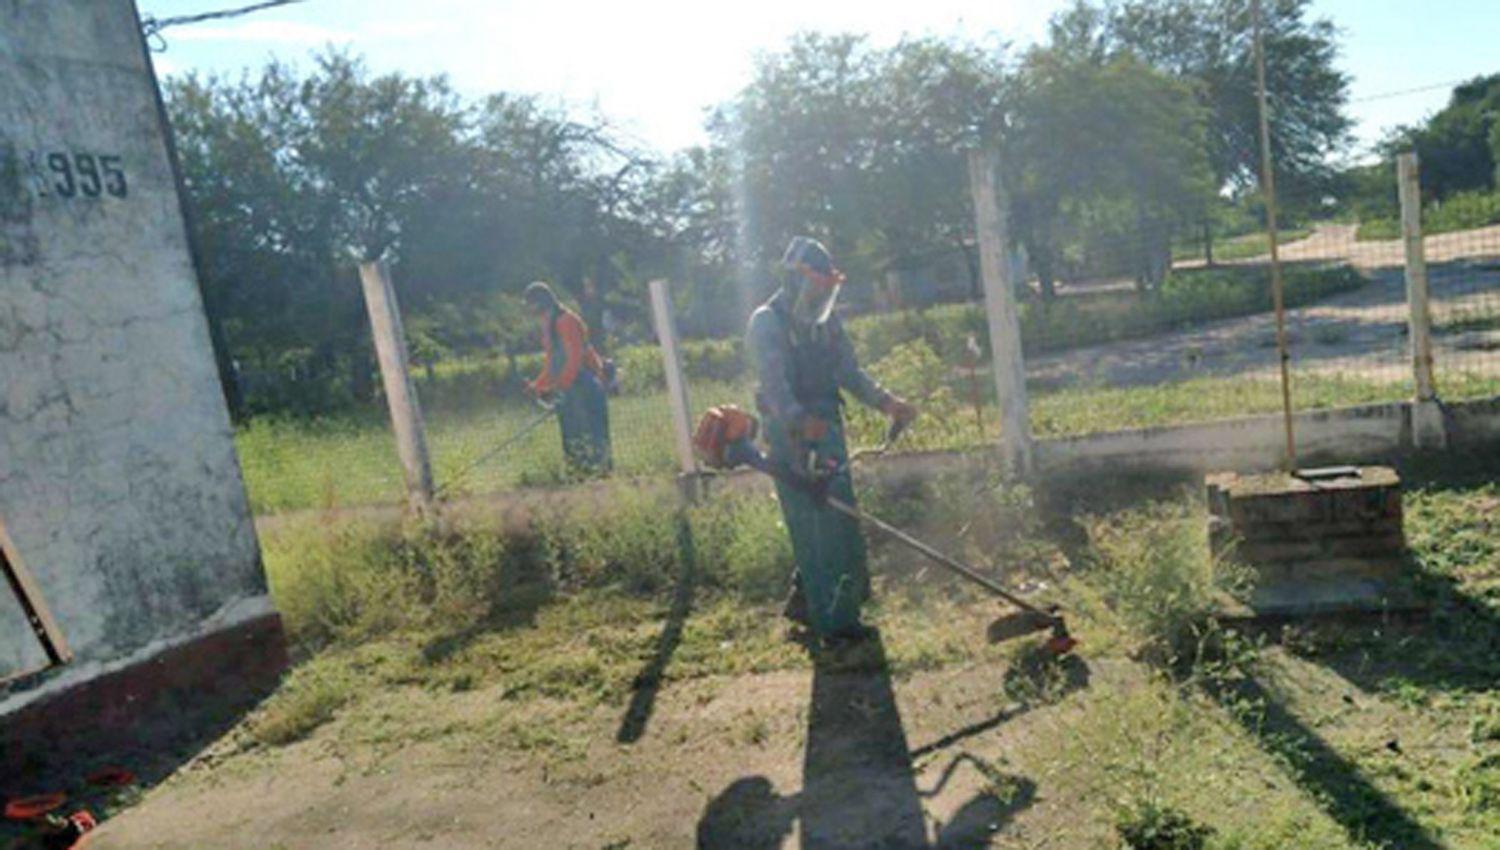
[
  {"x": 545, "y": 413},
  {"x": 725, "y": 440}
]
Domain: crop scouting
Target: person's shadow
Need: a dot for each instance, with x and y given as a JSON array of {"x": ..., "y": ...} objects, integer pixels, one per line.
[{"x": 859, "y": 787}]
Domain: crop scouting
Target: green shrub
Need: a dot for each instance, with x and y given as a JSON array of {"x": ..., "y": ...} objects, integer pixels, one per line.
[
  {"x": 357, "y": 579},
  {"x": 1378, "y": 229},
  {"x": 1460, "y": 211},
  {"x": 631, "y": 542},
  {"x": 742, "y": 545}
]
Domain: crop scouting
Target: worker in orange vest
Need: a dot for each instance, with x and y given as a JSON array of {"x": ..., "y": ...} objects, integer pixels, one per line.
[{"x": 573, "y": 374}]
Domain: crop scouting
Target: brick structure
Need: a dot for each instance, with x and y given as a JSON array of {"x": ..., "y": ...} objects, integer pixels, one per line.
[{"x": 1319, "y": 540}]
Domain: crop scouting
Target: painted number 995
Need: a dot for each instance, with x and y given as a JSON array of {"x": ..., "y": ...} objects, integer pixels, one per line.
[{"x": 78, "y": 175}]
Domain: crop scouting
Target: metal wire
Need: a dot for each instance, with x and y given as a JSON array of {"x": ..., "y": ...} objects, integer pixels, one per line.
[{"x": 151, "y": 26}]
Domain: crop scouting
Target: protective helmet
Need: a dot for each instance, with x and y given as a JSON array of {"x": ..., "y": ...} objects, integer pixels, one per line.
[
  {"x": 813, "y": 280},
  {"x": 539, "y": 295}
]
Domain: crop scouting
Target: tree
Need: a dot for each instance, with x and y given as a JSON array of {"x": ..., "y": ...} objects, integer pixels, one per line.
[
  {"x": 1209, "y": 43},
  {"x": 295, "y": 178},
  {"x": 1105, "y": 155},
  {"x": 861, "y": 147},
  {"x": 1457, "y": 145}
]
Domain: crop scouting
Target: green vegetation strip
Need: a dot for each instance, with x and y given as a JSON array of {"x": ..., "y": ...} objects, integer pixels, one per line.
[
  {"x": 1462, "y": 211},
  {"x": 293, "y": 464},
  {"x": 1331, "y": 737}
]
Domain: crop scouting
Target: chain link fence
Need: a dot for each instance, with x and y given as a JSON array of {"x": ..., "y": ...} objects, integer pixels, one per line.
[{"x": 1128, "y": 331}]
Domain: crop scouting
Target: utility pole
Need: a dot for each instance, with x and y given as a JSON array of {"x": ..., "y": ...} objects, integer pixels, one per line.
[{"x": 1268, "y": 188}]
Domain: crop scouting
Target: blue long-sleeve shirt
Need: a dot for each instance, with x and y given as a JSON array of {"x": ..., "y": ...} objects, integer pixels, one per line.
[{"x": 820, "y": 366}]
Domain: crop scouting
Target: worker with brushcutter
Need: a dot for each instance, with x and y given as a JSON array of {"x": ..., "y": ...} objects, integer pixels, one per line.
[
  {"x": 805, "y": 361},
  {"x": 572, "y": 373}
]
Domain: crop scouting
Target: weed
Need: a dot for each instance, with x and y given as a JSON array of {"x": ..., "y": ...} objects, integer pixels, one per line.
[
  {"x": 1155, "y": 571},
  {"x": 309, "y": 698},
  {"x": 1148, "y": 825}
]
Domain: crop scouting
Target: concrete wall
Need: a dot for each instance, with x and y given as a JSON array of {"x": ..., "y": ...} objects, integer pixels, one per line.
[
  {"x": 118, "y": 478},
  {"x": 1377, "y": 433},
  {"x": 1371, "y": 432}
]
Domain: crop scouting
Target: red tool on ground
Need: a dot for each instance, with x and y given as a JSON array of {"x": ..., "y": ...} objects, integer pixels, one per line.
[
  {"x": 725, "y": 439},
  {"x": 35, "y": 806}
]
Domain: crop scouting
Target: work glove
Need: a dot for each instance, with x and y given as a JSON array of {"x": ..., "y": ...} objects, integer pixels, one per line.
[
  {"x": 901, "y": 412},
  {"x": 810, "y": 428}
]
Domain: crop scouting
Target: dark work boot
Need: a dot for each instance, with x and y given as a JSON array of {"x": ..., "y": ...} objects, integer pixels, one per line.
[{"x": 795, "y": 608}]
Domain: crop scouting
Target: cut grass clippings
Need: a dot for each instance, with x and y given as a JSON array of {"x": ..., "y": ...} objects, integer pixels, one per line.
[{"x": 1344, "y": 738}]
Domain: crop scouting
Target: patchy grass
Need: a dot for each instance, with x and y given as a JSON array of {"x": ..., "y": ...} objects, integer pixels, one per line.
[
  {"x": 516, "y": 650},
  {"x": 1086, "y": 410},
  {"x": 1241, "y": 247},
  {"x": 323, "y": 464},
  {"x": 1462, "y": 211}
]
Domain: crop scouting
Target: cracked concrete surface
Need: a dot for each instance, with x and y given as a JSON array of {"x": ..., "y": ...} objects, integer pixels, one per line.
[{"x": 118, "y": 477}]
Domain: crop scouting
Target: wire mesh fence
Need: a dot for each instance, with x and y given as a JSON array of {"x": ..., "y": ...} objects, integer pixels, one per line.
[
  {"x": 1195, "y": 340},
  {"x": 1463, "y": 270},
  {"x": 1120, "y": 331}
]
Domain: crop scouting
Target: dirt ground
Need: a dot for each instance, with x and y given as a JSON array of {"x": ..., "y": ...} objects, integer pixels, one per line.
[
  {"x": 820, "y": 759},
  {"x": 1360, "y": 333}
]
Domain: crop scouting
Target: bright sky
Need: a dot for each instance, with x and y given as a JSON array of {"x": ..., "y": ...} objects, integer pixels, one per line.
[{"x": 653, "y": 66}]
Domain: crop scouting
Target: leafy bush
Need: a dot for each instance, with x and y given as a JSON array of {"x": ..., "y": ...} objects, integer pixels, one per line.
[
  {"x": 1460, "y": 211},
  {"x": 742, "y": 546},
  {"x": 632, "y": 542},
  {"x": 1381, "y": 229},
  {"x": 358, "y": 579}
]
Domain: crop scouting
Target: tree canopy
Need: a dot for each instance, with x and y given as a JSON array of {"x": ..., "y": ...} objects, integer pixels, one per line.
[{"x": 1128, "y": 125}]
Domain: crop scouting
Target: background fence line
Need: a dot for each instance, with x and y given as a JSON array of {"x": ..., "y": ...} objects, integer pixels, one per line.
[{"x": 1111, "y": 350}]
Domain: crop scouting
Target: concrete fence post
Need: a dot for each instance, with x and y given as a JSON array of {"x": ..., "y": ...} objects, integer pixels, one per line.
[
  {"x": 395, "y": 373},
  {"x": 1000, "y": 310},
  {"x": 1427, "y": 415},
  {"x": 677, "y": 394}
]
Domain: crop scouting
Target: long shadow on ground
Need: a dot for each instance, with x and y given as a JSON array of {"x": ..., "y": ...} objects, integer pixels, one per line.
[
  {"x": 1449, "y": 644},
  {"x": 1339, "y": 786},
  {"x": 648, "y": 682},
  {"x": 859, "y": 786}
]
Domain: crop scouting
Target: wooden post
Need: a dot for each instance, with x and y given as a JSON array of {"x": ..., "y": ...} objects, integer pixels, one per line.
[
  {"x": 400, "y": 394},
  {"x": 1000, "y": 309},
  {"x": 1268, "y": 188},
  {"x": 677, "y": 394},
  {"x": 1419, "y": 316},
  {"x": 38, "y": 615},
  {"x": 1428, "y": 430}
]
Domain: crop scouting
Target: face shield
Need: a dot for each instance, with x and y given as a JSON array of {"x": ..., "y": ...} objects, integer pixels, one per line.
[
  {"x": 816, "y": 281},
  {"x": 817, "y": 298}
]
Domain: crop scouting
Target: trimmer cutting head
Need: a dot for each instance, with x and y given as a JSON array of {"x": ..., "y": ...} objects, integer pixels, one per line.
[{"x": 1022, "y": 623}]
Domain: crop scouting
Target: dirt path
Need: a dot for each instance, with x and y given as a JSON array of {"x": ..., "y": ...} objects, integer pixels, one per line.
[
  {"x": 797, "y": 759},
  {"x": 1362, "y": 332}
]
